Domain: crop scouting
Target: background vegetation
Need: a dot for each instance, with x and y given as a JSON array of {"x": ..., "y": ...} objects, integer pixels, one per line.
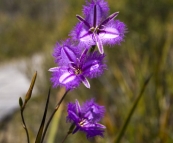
[{"x": 30, "y": 27}]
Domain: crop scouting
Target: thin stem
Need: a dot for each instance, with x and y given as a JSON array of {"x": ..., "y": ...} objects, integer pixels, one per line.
[
  {"x": 65, "y": 137},
  {"x": 53, "y": 113},
  {"x": 123, "y": 129},
  {"x": 24, "y": 124},
  {"x": 69, "y": 132}
]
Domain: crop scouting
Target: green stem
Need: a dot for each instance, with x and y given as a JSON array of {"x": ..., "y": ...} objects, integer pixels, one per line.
[
  {"x": 123, "y": 129},
  {"x": 69, "y": 132},
  {"x": 24, "y": 124},
  {"x": 53, "y": 113},
  {"x": 65, "y": 137}
]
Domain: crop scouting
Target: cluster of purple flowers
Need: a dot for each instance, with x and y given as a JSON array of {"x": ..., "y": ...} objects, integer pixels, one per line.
[{"x": 76, "y": 62}]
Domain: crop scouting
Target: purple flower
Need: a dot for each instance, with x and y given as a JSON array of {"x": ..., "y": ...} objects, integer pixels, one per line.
[
  {"x": 75, "y": 66},
  {"x": 86, "y": 117},
  {"x": 97, "y": 28}
]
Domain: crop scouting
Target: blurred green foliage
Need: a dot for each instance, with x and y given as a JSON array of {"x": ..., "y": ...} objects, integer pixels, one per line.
[{"x": 27, "y": 27}]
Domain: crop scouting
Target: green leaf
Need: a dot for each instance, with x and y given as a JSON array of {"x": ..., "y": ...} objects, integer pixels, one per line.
[
  {"x": 29, "y": 93},
  {"x": 40, "y": 132}
]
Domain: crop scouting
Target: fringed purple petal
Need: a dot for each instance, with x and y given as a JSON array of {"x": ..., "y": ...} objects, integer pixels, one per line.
[
  {"x": 71, "y": 107},
  {"x": 94, "y": 129},
  {"x": 81, "y": 34},
  {"x": 55, "y": 76},
  {"x": 72, "y": 116},
  {"x": 85, "y": 35},
  {"x": 113, "y": 32},
  {"x": 109, "y": 33},
  {"x": 95, "y": 10},
  {"x": 66, "y": 52},
  {"x": 93, "y": 111},
  {"x": 94, "y": 65},
  {"x": 65, "y": 78},
  {"x": 94, "y": 126}
]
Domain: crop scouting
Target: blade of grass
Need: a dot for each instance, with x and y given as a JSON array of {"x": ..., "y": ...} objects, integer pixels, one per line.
[
  {"x": 123, "y": 129},
  {"x": 54, "y": 126},
  {"x": 52, "y": 115},
  {"x": 40, "y": 132}
]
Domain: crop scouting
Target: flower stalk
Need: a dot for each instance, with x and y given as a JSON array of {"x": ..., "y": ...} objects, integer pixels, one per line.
[
  {"x": 24, "y": 125},
  {"x": 69, "y": 132},
  {"x": 22, "y": 105}
]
